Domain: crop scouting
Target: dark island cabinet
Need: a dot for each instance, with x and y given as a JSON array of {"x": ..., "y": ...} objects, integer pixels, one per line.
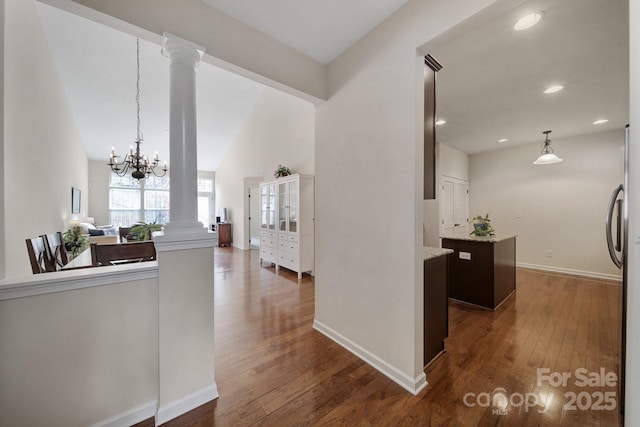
[{"x": 482, "y": 271}]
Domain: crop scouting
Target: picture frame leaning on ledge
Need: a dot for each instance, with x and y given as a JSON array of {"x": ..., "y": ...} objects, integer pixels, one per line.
[{"x": 75, "y": 200}]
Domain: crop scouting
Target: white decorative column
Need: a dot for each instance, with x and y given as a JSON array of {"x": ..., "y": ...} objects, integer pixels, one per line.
[
  {"x": 185, "y": 257},
  {"x": 184, "y": 57}
]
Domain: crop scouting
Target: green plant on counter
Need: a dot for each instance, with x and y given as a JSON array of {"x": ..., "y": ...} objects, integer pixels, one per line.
[
  {"x": 74, "y": 241},
  {"x": 144, "y": 230},
  {"x": 482, "y": 226}
]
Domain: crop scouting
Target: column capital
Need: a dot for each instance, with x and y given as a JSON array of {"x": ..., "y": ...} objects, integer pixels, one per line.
[{"x": 179, "y": 49}]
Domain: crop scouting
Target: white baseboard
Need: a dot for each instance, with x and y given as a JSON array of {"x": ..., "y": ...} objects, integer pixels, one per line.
[
  {"x": 133, "y": 416},
  {"x": 412, "y": 385},
  {"x": 592, "y": 274},
  {"x": 181, "y": 406}
]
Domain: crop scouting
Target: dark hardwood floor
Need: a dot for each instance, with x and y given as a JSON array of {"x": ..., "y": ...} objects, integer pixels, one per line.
[{"x": 273, "y": 369}]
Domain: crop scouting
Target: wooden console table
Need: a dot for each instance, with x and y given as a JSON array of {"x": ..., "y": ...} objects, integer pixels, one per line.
[{"x": 224, "y": 234}]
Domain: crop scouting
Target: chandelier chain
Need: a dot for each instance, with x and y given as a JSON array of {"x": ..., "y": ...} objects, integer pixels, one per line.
[{"x": 138, "y": 88}]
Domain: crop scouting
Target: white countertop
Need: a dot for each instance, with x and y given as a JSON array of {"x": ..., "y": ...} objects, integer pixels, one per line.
[
  {"x": 488, "y": 239},
  {"x": 431, "y": 252}
]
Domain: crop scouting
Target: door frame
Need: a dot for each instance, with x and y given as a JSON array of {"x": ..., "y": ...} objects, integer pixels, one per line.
[
  {"x": 248, "y": 182},
  {"x": 442, "y": 189}
]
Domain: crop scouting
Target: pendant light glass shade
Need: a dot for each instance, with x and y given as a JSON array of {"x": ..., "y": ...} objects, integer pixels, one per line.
[
  {"x": 547, "y": 156},
  {"x": 547, "y": 159}
]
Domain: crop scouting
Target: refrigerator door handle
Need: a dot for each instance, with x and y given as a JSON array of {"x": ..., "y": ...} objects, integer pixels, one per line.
[
  {"x": 619, "y": 225},
  {"x": 612, "y": 204}
]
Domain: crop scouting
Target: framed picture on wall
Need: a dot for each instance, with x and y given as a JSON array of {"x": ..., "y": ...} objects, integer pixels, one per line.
[{"x": 75, "y": 200}]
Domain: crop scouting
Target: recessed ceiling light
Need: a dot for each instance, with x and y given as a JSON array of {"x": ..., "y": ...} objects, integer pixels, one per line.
[
  {"x": 440, "y": 122},
  {"x": 528, "y": 21},
  {"x": 554, "y": 89},
  {"x": 503, "y": 140},
  {"x": 600, "y": 121}
]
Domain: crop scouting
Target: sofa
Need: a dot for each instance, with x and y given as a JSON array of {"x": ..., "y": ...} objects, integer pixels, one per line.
[{"x": 101, "y": 235}]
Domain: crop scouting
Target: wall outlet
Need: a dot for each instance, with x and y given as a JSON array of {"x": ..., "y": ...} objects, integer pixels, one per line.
[{"x": 549, "y": 253}]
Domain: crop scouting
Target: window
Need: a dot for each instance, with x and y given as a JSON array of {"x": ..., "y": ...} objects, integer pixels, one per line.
[
  {"x": 156, "y": 199},
  {"x": 132, "y": 201},
  {"x": 205, "y": 201}
]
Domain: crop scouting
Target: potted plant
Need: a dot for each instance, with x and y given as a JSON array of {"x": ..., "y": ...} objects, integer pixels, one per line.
[
  {"x": 144, "y": 230},
  {"x": 281, "y": 171},
  {"x": 74, "y": 241},
  {"x": 482, "y": 226}
]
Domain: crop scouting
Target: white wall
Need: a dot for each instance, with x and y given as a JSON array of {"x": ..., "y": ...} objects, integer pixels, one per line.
[
  {"x": 279, "y": 130},
  {"x": 78, "y": 357},
  {"x": 561, "y": 207},
  {"x": 2, "y": 235},
  {"x": 453, "y": 162},
  {"x": 632, "y": 409},
  {"x": 369, "y": 200},
  {"x": 99, "y": 174},
  {"x": 44, "y": 155}
]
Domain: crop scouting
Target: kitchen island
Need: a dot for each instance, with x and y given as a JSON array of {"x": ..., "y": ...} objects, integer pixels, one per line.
[
  {"x": 436, "y": 312},
  {"x": 482, "y": 270}
]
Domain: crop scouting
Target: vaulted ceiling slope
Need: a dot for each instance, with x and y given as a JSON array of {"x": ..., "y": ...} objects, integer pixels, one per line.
[
  {"x": 321, "y": 29},
  {"x": 493, "y": 78},
  {"x": 97, "y": 67}
]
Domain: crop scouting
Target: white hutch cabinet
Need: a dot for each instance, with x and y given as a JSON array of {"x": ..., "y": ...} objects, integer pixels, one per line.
[
  {"x": 286, "y": 212},
  {"x": 268, "y": 231}
]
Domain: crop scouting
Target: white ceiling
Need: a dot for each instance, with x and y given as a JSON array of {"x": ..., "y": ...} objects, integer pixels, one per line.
[
  {"x": 490, "y": 87},
  {"x": 321, "y": 29},
  {"x": 492, "y": 82}
]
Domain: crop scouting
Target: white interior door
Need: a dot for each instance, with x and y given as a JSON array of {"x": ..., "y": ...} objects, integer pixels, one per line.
[
  {"x": 454, "y": 206},
  {"x": 448, "y": 212},
  {"x": 254, "y": 217}
]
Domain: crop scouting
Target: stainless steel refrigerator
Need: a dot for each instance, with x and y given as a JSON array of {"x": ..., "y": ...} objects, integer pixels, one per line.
[{"x": 617, "y": 241}]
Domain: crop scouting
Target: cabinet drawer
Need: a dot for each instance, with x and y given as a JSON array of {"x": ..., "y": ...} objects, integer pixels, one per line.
[
  {"x": 269, "y": 234},
  {"x": 268, "y": 242},
  {"x": 288, "y": 260},
  {"x": 288, "y": 246},
  {"x": 288, "y": 237},
  {"x": 268, "y": 254}
]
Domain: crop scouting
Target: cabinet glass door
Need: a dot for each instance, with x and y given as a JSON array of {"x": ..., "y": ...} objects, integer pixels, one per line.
[
  {"x": 293, "y": 207},
  {"x": 283, "y": 203},
  {"x": 272, "y": 206},
  {"x": 267, "y": 206},
  {"x": 264, "y": 206}
]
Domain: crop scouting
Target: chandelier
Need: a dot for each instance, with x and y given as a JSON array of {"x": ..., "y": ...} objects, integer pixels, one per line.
[{"x": 134, "y": 161}]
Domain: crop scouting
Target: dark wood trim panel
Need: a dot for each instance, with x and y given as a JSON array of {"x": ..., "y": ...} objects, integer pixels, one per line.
[
  {"x": 436, "y": 311},
  {"x": 432, "y": 66}
]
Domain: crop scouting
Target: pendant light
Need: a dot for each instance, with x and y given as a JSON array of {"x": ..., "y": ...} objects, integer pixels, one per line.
[{"x": 546, "y": 156}]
